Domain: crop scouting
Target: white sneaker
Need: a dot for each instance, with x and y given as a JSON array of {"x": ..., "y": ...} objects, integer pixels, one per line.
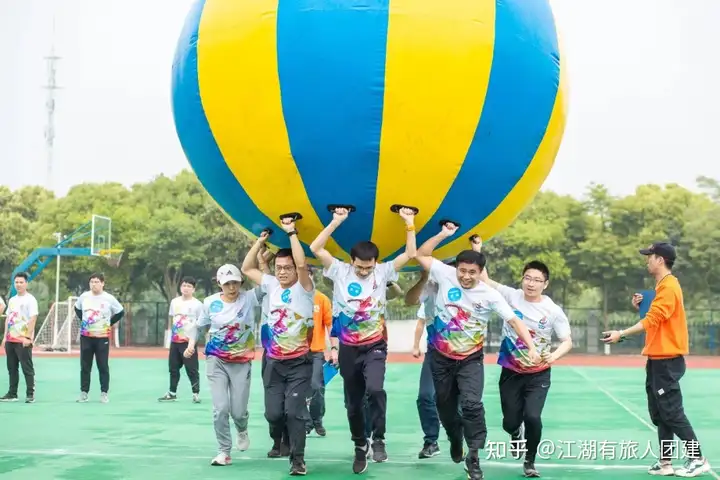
[
  {"x": 243, "y": 441},
  {"x": 221, "y": 460},
  {"x": 196, "y": 398},
  {"x": 104, "y": 398},
  {"x": 83, "y": 398},
  {"x": 693, "y": 467},
  {"x": 664, "y": 469}
]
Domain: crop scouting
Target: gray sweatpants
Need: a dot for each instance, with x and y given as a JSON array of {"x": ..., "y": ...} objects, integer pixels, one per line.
[{"x": 230, "y": 390}]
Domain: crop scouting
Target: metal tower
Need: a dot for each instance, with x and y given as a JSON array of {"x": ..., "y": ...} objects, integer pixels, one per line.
[{"x": 51, "y": 87}]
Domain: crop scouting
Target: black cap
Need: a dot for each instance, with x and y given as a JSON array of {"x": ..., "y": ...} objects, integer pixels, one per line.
[{"x": 661, "y": 249}]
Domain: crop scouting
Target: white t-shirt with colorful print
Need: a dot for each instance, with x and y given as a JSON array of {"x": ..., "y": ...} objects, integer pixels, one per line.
[
  {"x": 287, "y": 319},
  {"x": 458, "y": 326},
  {"x": 20, "y": 310},
  {"x": 232, "y": 326},
  {"x": 541, "y": 318},
  {"x": 184, "y": 314},
  {"x": 97, "y": 311},
  {"x": 359, "y": 303}
]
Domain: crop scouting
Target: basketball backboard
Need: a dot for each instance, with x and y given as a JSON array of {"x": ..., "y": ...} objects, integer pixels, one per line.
[{"x": 101, "y": 238}]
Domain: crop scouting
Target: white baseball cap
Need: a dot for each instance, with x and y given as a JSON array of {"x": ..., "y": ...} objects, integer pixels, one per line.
[{"x": 228, "y": 273}]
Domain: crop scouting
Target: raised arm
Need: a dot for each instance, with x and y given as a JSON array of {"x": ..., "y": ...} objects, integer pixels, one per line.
[
  {"x": 264, "y": 258},
  {"x": 393, "y": 291},
  {"x": 424, "y": 254},
  {"x": 408, "y": 215},
  {"x": 412, "y": 297},
  {"x": 250, "y": 264},
  {"x": 303, "y": 272},
  {"x": 317, "y": 247}
]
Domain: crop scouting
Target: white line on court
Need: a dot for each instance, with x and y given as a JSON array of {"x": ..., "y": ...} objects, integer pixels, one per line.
[
  {"x": 626, "y": 408},
  {"x": 59, "y": 452}
]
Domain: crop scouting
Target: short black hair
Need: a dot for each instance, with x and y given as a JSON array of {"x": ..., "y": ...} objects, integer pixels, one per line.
[
  {"x": 99, "y": 276},
  {"x": 23, "y": 275},
  {"x": 472, "y": 257},
  {"x": 365, "y": 251},
  {"x": 189, "y": 281},
  {"x": 283, "y": 253},
  {"x": 539, "y": 266}
]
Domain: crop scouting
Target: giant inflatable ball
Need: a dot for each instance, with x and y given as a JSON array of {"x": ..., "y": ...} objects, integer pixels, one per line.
[{"x": 454, "y": 107}]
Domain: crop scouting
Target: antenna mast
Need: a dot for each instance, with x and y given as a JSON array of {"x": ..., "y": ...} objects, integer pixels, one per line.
[{"x": 51, "y": 87}]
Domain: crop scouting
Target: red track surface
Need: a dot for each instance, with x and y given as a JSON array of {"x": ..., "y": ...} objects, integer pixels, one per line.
[{"x": 573, "y": 360}]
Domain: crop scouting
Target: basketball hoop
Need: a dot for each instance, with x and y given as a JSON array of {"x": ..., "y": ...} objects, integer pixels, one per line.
[{"x": 112, "y": 256}]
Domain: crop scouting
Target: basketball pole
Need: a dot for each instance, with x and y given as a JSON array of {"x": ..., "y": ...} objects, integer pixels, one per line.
[{"x": 58, "y": 236}]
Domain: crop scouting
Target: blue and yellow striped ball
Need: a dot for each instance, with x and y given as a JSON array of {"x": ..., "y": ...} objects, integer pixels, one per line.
[{"x": 456, "y": 107}]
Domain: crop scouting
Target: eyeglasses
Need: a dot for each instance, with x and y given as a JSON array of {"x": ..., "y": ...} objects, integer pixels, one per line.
[
  {"x": 533, "y": 280},
  {"x": 284, "y": 268}
]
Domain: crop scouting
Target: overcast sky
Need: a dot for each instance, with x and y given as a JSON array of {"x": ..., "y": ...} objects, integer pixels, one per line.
[{"x": 645, "y": 95}]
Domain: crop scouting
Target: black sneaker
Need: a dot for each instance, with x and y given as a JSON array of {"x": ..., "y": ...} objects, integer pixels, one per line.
[
  {"x": 361, "y": 454},
  {"x": 529, "y": 469},
  {"x": 517, "y": 443},
  {"x": 379, "y": 454},
  {"x": 168, "y": 397},
  {"x": 429, "y": 450},
  {"x": 457, "y": 450},
  {"x": 30, "y": 399},
  {"x": 320, "y": 430},
  {"x": 9, "y": 398},
  {"x": 274, "y": 452},
  {"x": 472, "y": 468},
  {"x": 297, "y": 466}
]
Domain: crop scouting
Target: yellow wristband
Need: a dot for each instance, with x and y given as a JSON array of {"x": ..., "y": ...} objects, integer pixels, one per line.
[{"x": 410, "y": 228}]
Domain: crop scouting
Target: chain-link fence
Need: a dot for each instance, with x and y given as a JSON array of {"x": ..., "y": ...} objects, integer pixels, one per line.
[{"x": 145, "y": 324}]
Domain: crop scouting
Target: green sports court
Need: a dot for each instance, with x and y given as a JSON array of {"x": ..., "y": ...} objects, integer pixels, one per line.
[{"x": 595, "y": 420}]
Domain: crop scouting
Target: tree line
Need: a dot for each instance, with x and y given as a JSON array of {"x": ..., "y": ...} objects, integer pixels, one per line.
[{"x": 169, "y": 227}]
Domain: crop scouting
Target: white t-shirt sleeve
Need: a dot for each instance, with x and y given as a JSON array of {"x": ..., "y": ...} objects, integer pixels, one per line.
[
  {"x": 32, "y": 307},
  {"x": 508, "y": 293},
  {"x": 197, "y": 309},
  {"x": 79, "y": 301},
  {"x": 499, "y": 305},
  {"x": 561, "y": 325},
  {"x": 115, "y": 306},
  {"x": 204, "y": 315},
  {"x": 440, "y": 271},
  {"x": 267, "y": 285},
  {"x": 387, "y": 272},
  {"x": 421, "y": 312},
  {"x": 171, "y": 311},
  {"x": 337, "y": 270}
]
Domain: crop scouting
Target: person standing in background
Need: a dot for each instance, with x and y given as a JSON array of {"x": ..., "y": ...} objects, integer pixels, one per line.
[
  {"x": 98, "y": 312},
  {"x": 666, "y": 344},
  {"x": 183, "y": 315},
  {"x": 22, "y": 314}
]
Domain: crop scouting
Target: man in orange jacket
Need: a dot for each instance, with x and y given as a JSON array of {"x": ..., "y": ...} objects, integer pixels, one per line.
[{"x": 666, "y": 344}]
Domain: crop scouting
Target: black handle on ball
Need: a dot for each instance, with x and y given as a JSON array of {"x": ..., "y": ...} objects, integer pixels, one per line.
[
  {"x": 447, "y": 220},
  {"x": 267, "y": 230},
  {"x": 473, "y": 237},
  {"x": 331, "y": 208},
  {"x": 396, "y": 208},
  {"x": 294, "y": 216}
]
